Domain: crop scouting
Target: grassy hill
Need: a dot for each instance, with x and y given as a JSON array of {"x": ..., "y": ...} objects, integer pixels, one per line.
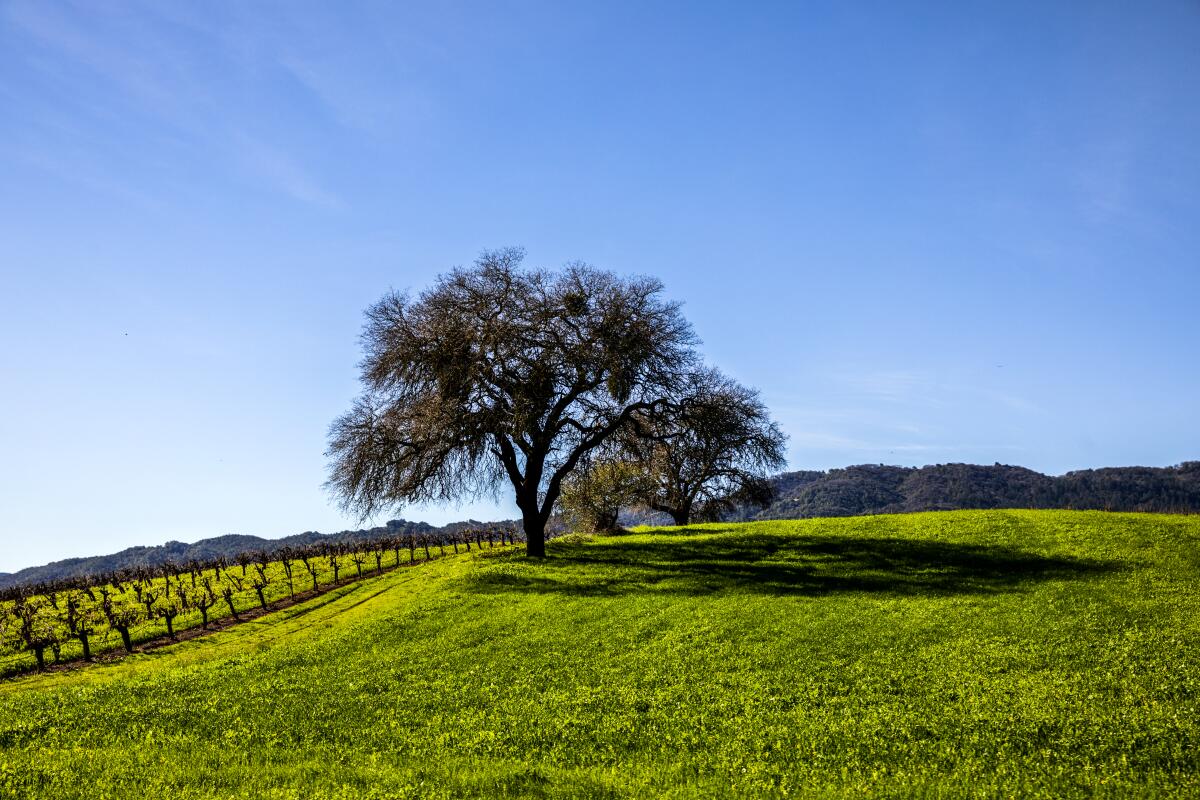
[{"x": 1015, "y": 653}]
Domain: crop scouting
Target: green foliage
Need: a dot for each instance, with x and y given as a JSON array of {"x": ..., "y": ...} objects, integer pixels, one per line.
[
  {"x": 593, "y": 497},
  {"x": 964, "y": 654}
]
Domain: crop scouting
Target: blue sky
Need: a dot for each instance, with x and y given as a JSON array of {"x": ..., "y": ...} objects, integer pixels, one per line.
[{"x": 928, "y": 232}]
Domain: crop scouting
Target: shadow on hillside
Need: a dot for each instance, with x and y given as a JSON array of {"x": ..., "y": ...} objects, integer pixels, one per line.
[{"x": 682, "y": 562}]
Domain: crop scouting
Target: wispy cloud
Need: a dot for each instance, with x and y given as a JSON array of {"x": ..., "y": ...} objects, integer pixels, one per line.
[
  {"x": 914, "y": 388},
  {"x": 351, "y": 100},
  {"x": 276, "y": 166},
  {"x": 132, "y": 58},
  {"x": 158, "y": 90}
]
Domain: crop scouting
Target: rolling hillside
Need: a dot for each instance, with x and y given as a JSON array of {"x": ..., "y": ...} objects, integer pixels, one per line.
[{"x": 986, "y": 654}]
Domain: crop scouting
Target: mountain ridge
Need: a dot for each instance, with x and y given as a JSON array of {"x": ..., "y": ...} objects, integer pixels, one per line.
[
  {"x": 884, "y": 489},
  {"x": 227, "y": 546},
  {"x": 844, "y": 492}
]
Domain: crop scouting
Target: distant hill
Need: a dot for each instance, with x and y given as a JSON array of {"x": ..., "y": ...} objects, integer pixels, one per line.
[
  {"x": 880, "y": 489},
  {"x": 226, "y": 546},
  {"x": 848, "y": 492}
]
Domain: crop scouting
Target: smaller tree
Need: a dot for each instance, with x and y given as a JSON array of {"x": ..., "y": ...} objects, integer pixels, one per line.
[
  {"x": 592, "y": 498},
  {"x": 711, "y": 452}
]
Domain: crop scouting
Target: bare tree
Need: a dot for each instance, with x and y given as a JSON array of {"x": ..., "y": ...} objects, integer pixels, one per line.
[
  {"x": 501, "y": 374},
  {"x": 711, "y": 452}
]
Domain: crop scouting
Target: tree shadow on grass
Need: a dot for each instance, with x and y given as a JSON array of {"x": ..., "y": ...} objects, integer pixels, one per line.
[{"x": 687, "y": 562}]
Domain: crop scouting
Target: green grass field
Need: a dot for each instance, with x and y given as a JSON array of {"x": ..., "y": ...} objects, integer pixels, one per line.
[{"x": 964, "y": 654}]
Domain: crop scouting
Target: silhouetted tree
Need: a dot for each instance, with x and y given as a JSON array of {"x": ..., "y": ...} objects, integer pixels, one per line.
[
  {"x": 711, "y": 452},
  {"x": 498, "y": 373}
]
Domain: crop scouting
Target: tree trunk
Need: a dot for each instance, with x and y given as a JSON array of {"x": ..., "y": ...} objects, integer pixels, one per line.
[
  {"x": 535, "y": 534},
  {"x": 682, "y": 516},
  {"x": 124, "y": 631},
  {"x": 87, "y": 648},
  {"x": 606, "y": 521}
]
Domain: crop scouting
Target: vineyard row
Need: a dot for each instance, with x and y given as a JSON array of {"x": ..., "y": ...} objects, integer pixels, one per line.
[{"x": 80, "y": 619}]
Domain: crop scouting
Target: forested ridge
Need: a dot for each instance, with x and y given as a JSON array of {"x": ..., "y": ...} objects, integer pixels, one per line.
[
  {"x": 851, "y": 491},
  {"x": 879, "y": 489},
  {"x": 882, "y": 489},
  {"x": 225, "y": 547}
]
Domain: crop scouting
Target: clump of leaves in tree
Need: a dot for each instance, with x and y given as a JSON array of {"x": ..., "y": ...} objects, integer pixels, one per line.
[{"x": 592, "y": 498}]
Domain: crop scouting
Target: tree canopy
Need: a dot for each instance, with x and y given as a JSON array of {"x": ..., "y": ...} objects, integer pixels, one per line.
[
  {"x": 498, "y": 374},
  {"x": 709, "y": 453},
  {"x": 593, "y": 496}
]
